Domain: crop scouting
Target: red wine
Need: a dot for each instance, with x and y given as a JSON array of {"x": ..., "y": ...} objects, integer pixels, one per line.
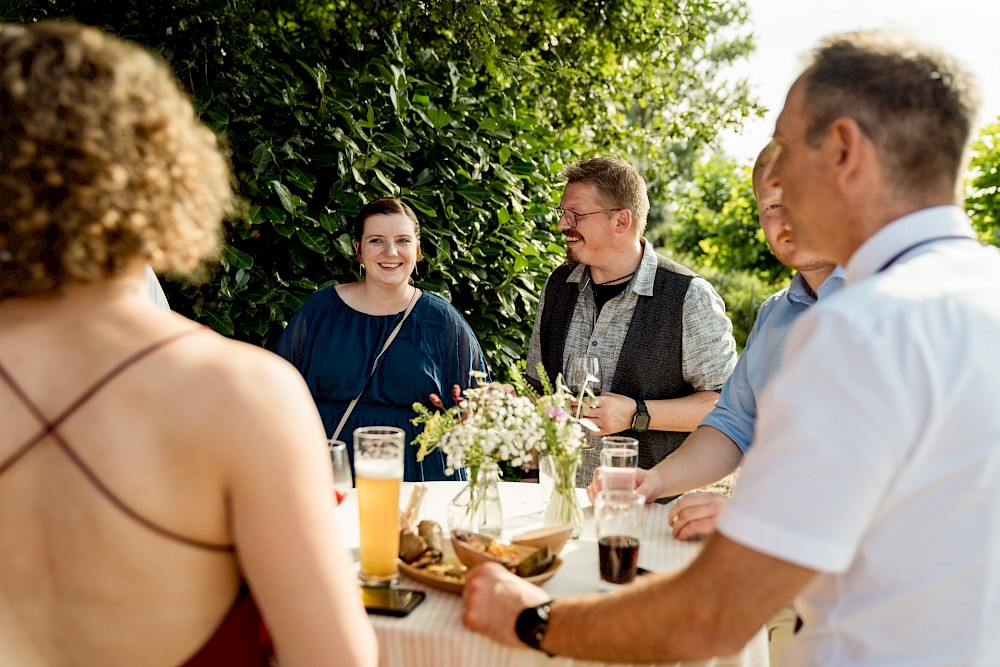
[{"x": 619, "y": 556}]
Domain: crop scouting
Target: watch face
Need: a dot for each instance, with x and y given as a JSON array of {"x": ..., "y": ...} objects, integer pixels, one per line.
[{"x": 640, "y": 422}]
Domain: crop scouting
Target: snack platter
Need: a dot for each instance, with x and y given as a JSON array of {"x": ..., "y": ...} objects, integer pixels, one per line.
[
  {"x": 431, "y": 576},
  {"x": 426, "y": 556}
]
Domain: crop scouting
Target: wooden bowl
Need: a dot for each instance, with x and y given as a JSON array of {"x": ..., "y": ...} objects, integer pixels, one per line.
[
  {"x": 474, "y": 552},
  {"x": 553, "y": 537}
]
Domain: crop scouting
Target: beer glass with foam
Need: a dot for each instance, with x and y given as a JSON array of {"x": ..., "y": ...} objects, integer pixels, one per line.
[{"x": 378, "y": 472}]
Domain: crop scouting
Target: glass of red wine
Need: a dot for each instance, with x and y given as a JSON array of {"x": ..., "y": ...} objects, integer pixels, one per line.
[{"x": 620, "y": 517}]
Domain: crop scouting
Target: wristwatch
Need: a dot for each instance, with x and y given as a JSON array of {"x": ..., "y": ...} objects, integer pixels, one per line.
[
  {"x": 531, "y": 625},
  {"x": 640, "y": 421}
]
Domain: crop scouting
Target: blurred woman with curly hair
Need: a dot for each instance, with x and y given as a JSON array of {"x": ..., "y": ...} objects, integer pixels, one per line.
[{"x": 158, "y": 482}]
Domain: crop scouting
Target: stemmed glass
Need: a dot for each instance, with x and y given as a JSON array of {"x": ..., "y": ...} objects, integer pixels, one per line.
[
  {"x": 583, "y": 372},
  {"x": 341, "y": 469}
]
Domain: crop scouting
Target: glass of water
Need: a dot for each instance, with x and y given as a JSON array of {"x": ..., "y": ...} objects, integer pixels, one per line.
[{"x": 619, "y": 461}]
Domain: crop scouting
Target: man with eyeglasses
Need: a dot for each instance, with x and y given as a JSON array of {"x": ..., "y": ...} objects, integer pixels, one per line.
[{"x": 660, "y": 331}]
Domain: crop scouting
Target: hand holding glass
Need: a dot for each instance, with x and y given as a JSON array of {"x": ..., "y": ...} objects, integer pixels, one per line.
[
  {"x": 378, "y": 468},
  {"x": 620, "y": 517},
  {"x": 583, "y": 373}
]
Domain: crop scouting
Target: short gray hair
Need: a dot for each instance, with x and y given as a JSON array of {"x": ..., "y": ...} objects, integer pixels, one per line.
[{"x": 916, "y": 105}]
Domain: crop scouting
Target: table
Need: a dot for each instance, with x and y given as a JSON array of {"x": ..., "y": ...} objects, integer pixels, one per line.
[{"x": 433, "y": 634}]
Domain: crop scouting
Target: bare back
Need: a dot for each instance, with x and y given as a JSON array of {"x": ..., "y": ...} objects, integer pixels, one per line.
[{"x": 202, "y": 438}]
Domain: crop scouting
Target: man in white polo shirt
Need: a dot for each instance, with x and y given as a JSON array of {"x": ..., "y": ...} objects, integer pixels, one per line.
[{"x": 872, "y": 491}]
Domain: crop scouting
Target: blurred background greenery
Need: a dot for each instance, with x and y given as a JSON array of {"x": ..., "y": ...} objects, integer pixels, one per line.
[{"x": 468, "y": 110}]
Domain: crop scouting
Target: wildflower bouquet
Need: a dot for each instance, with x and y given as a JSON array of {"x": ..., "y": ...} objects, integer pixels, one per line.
[
  {"x": 495, "y": 422},
  {"x": 488, "y": 424},
  {"x": 512, "y": 423}
]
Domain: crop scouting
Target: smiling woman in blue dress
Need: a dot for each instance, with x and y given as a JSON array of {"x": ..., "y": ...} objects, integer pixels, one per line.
[{"x": 337, "y": 334}]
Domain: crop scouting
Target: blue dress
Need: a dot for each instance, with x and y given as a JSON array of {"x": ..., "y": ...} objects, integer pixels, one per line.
[{"x": 334, "y": 347}]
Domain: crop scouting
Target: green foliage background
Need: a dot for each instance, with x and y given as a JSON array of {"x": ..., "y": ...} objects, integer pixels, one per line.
[
  {"x": 982, "y": 192},
  {"x": 714, "y": 228},
  {"x": 467, "y": 109}
]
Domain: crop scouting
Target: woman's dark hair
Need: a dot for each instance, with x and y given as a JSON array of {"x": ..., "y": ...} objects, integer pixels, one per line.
[{"x": 384, "y": 206}]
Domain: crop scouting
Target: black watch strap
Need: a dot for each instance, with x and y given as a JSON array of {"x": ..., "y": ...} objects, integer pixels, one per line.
[
  {"x": 640, "y": 421},
  {"x": 531, "y": 625}
]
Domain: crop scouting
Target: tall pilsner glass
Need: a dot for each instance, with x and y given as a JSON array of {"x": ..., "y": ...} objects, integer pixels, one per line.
[{"x": 378, "y": 472}]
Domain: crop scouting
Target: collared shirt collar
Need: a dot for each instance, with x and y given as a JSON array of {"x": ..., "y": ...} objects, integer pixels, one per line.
[
  {"x": 642, "y": 281},
  {"x": 799, "y": 292},
  {"x": 906, "y": 231}
]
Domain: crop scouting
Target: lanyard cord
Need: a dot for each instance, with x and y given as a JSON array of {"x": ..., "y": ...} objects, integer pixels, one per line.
[{"x": 895, "y": 258}]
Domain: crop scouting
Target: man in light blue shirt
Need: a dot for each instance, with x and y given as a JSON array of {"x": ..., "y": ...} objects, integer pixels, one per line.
[{"x": 717, "y": 446}]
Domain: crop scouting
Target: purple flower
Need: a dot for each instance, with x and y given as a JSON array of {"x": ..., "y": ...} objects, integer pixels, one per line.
[{"x": 556, "y": 413}]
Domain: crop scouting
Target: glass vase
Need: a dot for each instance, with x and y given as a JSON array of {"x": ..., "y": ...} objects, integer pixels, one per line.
[
  {"x": 476, "y": 508},
  {"x": 563, "y": 506}
]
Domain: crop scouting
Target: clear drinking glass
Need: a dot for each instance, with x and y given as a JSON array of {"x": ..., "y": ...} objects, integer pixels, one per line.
[
  {"x": 583, "y": 372},
  {"x": 341, "y": 466},
  {"x": 378, "y": 469},
  {"x": 620, "y": 519},
  {"x": 619, "y": 461}
]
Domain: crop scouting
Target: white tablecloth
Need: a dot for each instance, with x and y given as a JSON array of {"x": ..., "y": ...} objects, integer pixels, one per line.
[{"x": 433, "y": 634}]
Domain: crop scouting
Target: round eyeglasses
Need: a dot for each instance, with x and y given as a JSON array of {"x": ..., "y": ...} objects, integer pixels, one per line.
[{"x": 572, "y": 217}]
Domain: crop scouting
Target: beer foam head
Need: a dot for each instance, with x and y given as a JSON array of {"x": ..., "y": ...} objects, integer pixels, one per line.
[{"x": 378, "y": 468}]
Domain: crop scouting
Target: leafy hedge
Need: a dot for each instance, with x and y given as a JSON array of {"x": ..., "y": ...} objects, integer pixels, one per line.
[
  {"x": 982, "y": 197},
  {"x": 715, "y": 222},
  {"x": 349, "y": 120},
  {"x": 466, "y": 109}
]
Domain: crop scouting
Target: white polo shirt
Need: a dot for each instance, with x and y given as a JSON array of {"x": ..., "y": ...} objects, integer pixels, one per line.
[{"x": 877, "y": 455}]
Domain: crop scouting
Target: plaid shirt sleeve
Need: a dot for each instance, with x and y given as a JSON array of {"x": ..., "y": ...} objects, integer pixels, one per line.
[{"x": 709, "y": 349}]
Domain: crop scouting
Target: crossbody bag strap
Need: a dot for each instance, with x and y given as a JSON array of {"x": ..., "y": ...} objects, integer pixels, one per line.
[{"x": 385, "y": 346}]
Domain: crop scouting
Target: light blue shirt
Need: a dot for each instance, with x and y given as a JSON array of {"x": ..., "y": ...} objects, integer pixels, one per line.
[{"x": 735, "y": 413}]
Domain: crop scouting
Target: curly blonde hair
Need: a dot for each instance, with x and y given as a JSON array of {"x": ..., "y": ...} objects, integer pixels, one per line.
[{"x": 103, "y": 161}]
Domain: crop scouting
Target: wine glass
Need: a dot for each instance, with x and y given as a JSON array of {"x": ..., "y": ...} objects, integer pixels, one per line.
[
  {"x": 342, "y": 483},
  {"x": 583, "y": 372}
]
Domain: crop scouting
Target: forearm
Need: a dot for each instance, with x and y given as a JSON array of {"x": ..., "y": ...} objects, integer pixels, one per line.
[
  {"x": 663, "y": 625},
  {"x": 680, "y": 414},
  {"x": 712, "y": 608},
  {"x": 706, "y": 456}
]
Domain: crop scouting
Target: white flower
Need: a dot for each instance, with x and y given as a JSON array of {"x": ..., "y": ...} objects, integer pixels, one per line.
[{"x": 493, "y": 422}]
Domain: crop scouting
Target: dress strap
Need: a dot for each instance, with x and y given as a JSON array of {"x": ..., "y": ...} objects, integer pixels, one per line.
[{"x": 50, "y": 428}]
